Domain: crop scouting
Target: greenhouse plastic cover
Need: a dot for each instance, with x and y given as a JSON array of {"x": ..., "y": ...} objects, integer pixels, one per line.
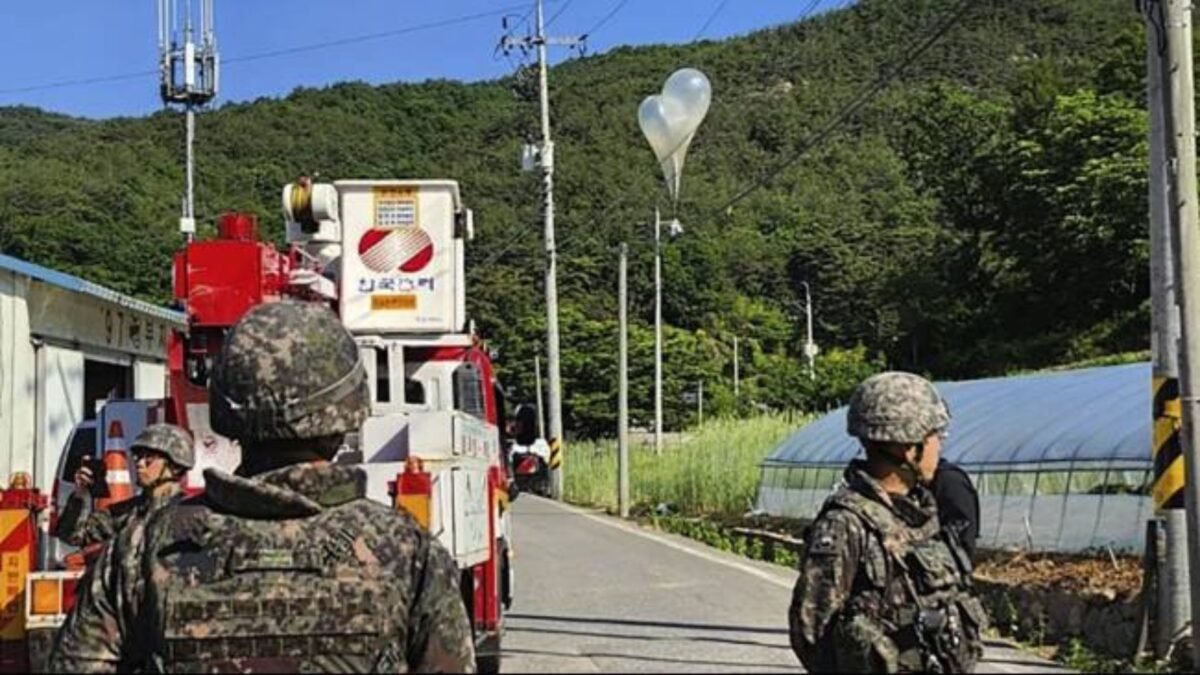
[{"x": 1088, "y": 416}]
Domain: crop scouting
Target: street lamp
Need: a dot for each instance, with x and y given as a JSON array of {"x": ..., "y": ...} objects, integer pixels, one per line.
[
  {"x": 670, "y": 120},
  {"x": 810, "y": 347}
]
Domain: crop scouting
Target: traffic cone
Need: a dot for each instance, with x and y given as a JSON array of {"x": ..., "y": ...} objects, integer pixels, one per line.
[{"x": 116, "y": 466}]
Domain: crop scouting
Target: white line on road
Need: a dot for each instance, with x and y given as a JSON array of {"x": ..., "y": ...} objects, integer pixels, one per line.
[{"x": 631, "y": 529}]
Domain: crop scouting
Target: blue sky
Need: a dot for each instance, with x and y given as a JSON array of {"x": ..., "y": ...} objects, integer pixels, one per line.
[{"x": 55, "y": 41}]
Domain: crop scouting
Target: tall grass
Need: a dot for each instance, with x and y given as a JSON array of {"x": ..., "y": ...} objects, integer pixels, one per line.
[{"x": 711, "y": 470}]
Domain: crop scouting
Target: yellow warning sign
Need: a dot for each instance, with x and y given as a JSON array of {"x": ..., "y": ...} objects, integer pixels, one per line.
[{"x": 15, "y": 540}]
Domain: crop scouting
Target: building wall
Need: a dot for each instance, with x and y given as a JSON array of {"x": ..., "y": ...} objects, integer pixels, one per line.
[
  {"x": 17, "y": 378},
  {"x": 46, "y": 333}
]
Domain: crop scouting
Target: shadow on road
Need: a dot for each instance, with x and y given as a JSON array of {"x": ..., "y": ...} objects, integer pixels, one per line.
[
  {"x": 740, "y": 665},
  {"x": 652, "y": 624},
  {"x": 647, "y": 638}
]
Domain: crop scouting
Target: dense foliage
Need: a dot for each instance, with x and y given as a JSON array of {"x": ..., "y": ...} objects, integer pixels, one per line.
[{"x": 984, "y": 213}]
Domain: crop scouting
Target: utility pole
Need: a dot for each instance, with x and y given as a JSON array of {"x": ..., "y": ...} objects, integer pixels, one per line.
[
  {"x": 658, "y": 384},
  {"x": 188, "y": 77},
  {"x": 674, "y": 229},
  {"x": 537, "y": 374},
  {"x": 1186, "y": 221},
  {"x": 546, "y": 155},
  {"x": 623, "y": 390},
  {"x": 1172, "y": 597},
  {"x": 810, "y": 347},
  {"x": 736, "y": 379},
  {"x": 700, "y": 403}
]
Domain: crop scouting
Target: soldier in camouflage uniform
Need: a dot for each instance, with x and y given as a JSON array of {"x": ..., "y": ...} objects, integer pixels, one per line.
[
  {"x": 285, "y": 566},
  {"x": 162, "y": 454},
  {"x": 882, "y": 588}
]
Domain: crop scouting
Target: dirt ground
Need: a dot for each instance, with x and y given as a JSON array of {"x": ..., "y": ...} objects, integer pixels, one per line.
[
  {"x": 1099, "y": 573},
  {"x": 1095, "y": 572}
]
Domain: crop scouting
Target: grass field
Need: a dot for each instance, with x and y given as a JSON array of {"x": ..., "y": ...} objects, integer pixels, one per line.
[{"x": 709, "y": 470}]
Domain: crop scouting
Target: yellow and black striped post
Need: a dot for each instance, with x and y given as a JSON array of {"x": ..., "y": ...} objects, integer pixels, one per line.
[
  {"x": 555, "y": 464},
  {"x": 1168, "y": 452}
]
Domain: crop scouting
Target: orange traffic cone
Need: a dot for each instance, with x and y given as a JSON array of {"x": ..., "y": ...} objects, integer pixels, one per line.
[{"x": 116, "y": 466}]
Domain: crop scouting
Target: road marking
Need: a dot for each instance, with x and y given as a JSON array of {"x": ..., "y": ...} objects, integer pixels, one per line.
[{"x": 703, "y": 555}]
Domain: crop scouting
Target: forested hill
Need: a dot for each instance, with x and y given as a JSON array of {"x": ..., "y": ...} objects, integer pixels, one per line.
[{"x": 984, "y": 213}]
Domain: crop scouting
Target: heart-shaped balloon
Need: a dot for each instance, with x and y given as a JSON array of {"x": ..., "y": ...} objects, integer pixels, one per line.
[{"x": 670, "y": 119}]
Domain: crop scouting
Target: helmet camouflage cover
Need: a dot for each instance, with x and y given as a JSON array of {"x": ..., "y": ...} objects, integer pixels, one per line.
[
  {"x": 288, "y": 370},
  {"x": 169, "y": 440},
  {"x": 896, "y": 407}
]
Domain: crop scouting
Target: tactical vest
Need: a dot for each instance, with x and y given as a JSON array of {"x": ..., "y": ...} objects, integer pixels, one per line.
[
  {"x": 242, "y": 595},
  {"x": 914, "y": 588}
]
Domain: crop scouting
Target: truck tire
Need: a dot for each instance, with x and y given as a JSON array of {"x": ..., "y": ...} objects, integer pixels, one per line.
[{"x": 487, "y": 656}]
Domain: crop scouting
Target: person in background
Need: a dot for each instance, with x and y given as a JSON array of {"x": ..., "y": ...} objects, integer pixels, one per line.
[
  {"x": 958, "y": 504},
  {"x": 162, "y": 455}
]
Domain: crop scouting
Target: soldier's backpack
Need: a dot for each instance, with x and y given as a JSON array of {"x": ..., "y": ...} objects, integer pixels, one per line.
[
  {"x": 233, "y": 594},
  {"x": 924, "y": 580}
]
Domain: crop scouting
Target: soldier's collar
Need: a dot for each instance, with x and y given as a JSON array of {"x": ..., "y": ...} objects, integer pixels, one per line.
[
  {"x": 294, "y": 491},
  {"x": 860, "y": 480},
  {"x": 916, "y": 508},
  {"x": 325, "y": 484}
]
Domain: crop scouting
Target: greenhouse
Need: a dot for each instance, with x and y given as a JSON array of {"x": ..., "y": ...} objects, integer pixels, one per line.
[{"x": 1062, "y": 460}]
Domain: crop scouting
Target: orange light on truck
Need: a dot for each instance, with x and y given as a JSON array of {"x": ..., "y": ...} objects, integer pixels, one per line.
[
  {"x": 414, "y": 492},
  {"x": 46, "y": 597}
]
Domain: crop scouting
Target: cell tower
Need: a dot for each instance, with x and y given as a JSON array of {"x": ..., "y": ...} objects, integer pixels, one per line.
[{"x": 188, "y": 77}]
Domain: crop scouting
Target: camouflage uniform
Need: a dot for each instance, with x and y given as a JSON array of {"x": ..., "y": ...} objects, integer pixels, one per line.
[
  {"x": 881, "y": 587},
  {"x": 289, "y": 570},
  {"x": 102, "y": 525}
]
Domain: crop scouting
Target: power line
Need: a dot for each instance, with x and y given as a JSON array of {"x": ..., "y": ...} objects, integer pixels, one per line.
[
  {"x": 886, "y": 76},
  {"x": 373, "y": 36},
  {"x": 559, "y": 12},
  {"x": 276, "y": 53},
  {"x": 812, "y": 6},
  {"x": 711, "y": 17},
  {"x": 607, "y": 17},
  {"x": 79, "y": 82}
]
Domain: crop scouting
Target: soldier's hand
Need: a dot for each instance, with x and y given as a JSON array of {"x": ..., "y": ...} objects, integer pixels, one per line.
[{"x": 83, "y": 478}]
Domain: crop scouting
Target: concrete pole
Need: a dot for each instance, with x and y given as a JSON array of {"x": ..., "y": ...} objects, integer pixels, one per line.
[
  {"x": 808, "y": 343},
  {"x": 552, "y": 344},
  {"x": 1172, "y": 597},
  {"x": 736, "y": 379},
  {"x": 1186, "y": 220},
  {"x": 190, "y": 208},
  {"x": 537, "y": 374},
  {"x": 700, "y": 403},
  {"x": 623, "y": 390},
  {"x": 658, "y": 346}
]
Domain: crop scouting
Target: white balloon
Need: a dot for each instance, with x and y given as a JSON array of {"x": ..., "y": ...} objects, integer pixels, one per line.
[
  {"x": 670, "y": 120},
  {"x": 656, "y": 127},
  {"x": 692, "y": 91}
]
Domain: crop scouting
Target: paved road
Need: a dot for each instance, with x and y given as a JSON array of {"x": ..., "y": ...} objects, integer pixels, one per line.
[{"x": 594, "y": 594}]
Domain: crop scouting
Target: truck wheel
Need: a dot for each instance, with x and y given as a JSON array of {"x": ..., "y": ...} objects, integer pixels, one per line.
[
  {"x": 487, "y": 656},
  {"x": 506, "y": 576}
]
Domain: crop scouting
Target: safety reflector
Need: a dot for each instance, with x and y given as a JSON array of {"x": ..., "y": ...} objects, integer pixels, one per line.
[
  {"x": 49, "y": 596},
  {"x": 414, "y": 492},
  {"x": 46, "y": 597}
]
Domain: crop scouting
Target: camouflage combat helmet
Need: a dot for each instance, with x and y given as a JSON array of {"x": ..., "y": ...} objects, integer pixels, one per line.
[
  {"x": 171, "y": 441},
  {"x": 288, "y": 370},
  {"x": 896, "y": 407}
]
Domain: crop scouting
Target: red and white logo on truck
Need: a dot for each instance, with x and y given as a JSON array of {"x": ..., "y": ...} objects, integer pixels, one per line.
[{"x": 406, "y": 249}]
